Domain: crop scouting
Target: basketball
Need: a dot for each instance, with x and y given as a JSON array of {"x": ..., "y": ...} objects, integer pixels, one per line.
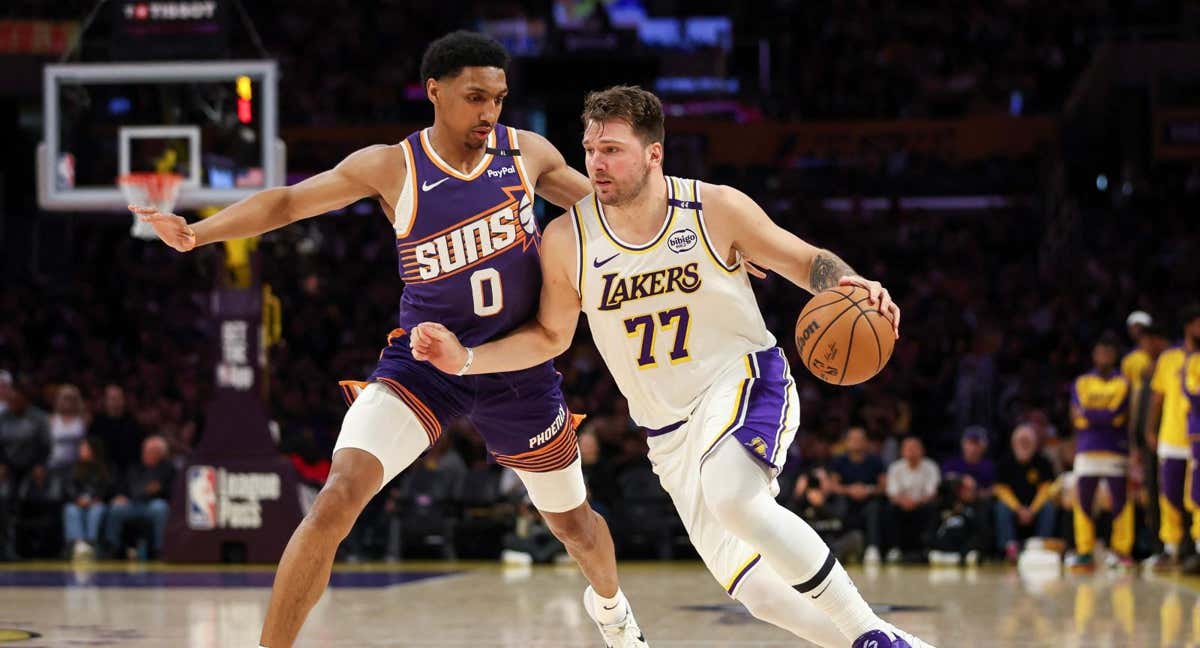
[{"x": 841, "y": 338}]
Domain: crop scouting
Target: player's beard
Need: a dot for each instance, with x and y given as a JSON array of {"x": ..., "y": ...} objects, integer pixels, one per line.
[{"x": 620, "y": 197}]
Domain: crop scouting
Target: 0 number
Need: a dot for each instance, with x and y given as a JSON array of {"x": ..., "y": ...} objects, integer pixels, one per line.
[{"x": 484, "y": 307}]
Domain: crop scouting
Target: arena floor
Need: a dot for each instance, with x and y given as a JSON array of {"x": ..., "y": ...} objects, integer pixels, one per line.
[{"x": 485, "y": 605}]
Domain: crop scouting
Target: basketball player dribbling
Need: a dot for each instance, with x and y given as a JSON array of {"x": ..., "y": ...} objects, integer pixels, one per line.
[
  {"x": 655, "y": 263},
  {"x": 459, "y": 195}
]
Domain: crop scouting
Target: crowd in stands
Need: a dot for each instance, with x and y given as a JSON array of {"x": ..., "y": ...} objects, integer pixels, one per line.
[{"x": 62, "y": 490}]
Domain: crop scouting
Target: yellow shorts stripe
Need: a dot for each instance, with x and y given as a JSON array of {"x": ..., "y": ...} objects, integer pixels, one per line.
[{"x": 733, "y": 583}]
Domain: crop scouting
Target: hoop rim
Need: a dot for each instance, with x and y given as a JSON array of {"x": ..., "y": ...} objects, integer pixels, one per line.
[{"x": 162, "y": 189}]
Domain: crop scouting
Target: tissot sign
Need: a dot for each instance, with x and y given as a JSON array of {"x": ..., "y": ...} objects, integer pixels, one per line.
[
  {"x": 170, "y": 10},
  {"x": 169, "y": 30}
]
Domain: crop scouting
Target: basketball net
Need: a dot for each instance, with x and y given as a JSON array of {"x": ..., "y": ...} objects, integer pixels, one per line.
[{"x": 158, "y": 190}]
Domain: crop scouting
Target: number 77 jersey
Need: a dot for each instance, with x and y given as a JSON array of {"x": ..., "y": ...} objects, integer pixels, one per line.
[
  {"x": 468, "y": 242},
  {"x": 669, "y": 315}
]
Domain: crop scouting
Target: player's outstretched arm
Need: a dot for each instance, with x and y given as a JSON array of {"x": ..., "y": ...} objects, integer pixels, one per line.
[
  {"x": 358, "y": 176},
  {"x": 556, "y": 180},
  {"x": 735, "y": 221},
  {"x": 540, "y": 339}
]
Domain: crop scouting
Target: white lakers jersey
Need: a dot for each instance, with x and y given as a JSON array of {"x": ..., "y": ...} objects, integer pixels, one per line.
[{"x": 669, "y": 315}]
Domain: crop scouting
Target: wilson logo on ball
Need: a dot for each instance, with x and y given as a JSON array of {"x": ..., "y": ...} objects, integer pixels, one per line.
[{"x": 802, "y": 337}]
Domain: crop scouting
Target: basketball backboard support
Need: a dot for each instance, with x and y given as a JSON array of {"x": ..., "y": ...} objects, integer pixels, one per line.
[{"x": 215, "y": 123}]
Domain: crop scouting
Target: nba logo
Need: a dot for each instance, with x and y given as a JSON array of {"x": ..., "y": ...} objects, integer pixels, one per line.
[{"x": 202, "y": 497}]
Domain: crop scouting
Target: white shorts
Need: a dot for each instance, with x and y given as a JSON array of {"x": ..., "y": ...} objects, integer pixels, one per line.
[
  {"x": 735, "y": 409},
  {"x": 379, "y": 423},
  {"x": 1171, "y": 451},
  {"x": 1101, "y": 464}
]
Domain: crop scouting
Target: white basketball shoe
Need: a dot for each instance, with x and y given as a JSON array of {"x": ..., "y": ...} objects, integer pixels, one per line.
[{"x": 623, "y": 634}]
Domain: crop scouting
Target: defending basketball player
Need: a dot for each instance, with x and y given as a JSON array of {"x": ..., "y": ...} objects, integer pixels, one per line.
[
  {"x": 655, "y": 263},
  {"x": 460, "y": 198}
]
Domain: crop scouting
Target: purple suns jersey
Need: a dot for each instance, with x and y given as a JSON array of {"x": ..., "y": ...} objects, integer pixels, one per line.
[
  {"x": 468, "y": 242},
  {"x": 468, "y": 247}
]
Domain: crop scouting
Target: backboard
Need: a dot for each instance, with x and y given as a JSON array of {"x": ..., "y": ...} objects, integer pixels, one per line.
[{"x": 215, "y": 123}]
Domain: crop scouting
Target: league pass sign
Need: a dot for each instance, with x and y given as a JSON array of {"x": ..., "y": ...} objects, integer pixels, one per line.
[{"x": 220, "y": 499}]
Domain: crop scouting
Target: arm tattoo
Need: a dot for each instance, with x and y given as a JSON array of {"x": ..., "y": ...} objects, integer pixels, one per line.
[{"x": 827, "y": 269}]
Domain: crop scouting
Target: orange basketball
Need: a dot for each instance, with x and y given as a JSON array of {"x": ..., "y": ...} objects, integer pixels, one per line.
[{"x": 841, "y": 338}]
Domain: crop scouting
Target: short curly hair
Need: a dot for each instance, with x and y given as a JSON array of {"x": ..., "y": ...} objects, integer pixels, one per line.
[
  {"x": 637, "y": 107},
  {"x": 448, "y": 55}
]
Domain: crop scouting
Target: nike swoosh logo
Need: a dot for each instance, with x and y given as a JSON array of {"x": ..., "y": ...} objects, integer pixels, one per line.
[
  {"x": 610, "y": 608},
  {"x": 425, "y": 186},
  {"x": 818, "y": 594},
  {"x": 597, "y": 262}
]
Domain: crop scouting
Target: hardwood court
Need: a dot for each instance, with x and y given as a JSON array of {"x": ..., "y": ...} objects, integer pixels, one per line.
[{"x": 476, "y": 605}]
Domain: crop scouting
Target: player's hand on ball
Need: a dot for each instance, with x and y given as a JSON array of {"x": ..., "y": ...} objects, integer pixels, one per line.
[
  {"x": 172, "y": 229},
  {"x": 880, "y": 298},
  {"x": 433, "y": 343}
]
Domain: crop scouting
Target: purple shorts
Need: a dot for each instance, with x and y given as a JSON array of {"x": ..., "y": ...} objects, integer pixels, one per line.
[{"x": 521, "y": 415}]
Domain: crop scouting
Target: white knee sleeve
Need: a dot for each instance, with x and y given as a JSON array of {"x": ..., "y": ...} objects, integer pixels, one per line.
[
  {"x": 557, "y": 491},
  {"x": 380, "y": 423}
]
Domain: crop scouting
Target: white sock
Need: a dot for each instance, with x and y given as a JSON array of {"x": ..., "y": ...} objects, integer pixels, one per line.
[
  {"x": 736, "y": 490},
  {"x": 611, "y": 610},
  {"x": 837, "y": 596},
  {"x": 769, "y": 598}
]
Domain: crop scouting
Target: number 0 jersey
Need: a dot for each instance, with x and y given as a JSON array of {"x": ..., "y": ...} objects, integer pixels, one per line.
[
  {"x": 669, "y": 315},
  {"x": 468, "y": 242}
]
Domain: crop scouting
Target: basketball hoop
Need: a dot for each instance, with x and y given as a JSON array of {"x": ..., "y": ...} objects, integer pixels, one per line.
[{"x": 158, "y": 190}]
